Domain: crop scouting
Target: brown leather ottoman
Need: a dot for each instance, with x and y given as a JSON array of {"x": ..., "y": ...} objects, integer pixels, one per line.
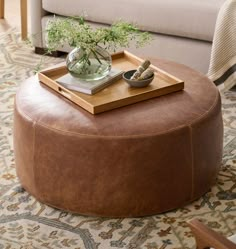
[{"x": 137, "y": 160}]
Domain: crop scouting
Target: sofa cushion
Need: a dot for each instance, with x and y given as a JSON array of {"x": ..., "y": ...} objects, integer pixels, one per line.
[{"x": 193, "y": 19}]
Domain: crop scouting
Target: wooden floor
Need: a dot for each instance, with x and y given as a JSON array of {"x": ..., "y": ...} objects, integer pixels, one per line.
[{"x": 12, "y": 15}]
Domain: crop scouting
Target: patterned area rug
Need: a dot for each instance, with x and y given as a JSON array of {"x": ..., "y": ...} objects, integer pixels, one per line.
[{"x": 27, "y": 223}]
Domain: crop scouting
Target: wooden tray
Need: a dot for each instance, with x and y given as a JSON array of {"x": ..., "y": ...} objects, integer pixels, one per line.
[{"x": 120, "y": 93}]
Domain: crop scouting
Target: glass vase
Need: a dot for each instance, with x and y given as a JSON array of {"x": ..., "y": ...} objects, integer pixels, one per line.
[{"x": 89, "y": 64}]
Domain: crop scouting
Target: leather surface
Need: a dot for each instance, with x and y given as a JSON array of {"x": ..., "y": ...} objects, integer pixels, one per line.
[
  {"x": 137, "y": 160},
  {"x": 192, "y": 19},
  {"x": 175, "y": 110}
]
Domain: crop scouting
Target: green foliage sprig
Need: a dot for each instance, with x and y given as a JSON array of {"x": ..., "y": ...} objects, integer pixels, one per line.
[{"x": 76, "y": 33}]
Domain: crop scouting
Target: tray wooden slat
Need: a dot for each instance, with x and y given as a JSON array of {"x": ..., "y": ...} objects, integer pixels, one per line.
[{"x": 118, "y": 94}]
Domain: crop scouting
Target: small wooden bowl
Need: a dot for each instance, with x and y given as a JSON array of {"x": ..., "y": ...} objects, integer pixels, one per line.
[{"x": 136, "y": 83}]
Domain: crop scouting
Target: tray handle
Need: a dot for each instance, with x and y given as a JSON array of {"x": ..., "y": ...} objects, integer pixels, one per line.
[{"x": 64, "y": 93}]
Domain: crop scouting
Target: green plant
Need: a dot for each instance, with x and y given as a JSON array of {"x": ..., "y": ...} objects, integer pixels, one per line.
[
  {"x": 88, "y": 60},
  {"x": 77, "y": 33}
]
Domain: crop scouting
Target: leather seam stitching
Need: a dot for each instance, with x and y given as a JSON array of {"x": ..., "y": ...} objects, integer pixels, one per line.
[
  {"x": 124, "y": 136},
  {"x": 192, "y": 161},
  {"x": 34, "y": 175}
]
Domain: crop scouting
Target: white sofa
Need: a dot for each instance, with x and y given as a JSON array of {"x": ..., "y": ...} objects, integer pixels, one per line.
[{"x": 182, "y": 29}]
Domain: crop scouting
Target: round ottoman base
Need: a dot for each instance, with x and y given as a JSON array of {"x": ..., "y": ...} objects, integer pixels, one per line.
[{"x": 115, "y": 171}]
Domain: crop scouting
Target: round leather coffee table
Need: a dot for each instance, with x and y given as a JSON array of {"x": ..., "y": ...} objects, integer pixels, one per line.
[{"x": 137, "y": 160}]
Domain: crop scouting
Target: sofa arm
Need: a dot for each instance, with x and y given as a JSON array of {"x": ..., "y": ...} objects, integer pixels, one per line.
[
  {"x": 37, "y": 12},
  {"x": 206, "y": 238}
]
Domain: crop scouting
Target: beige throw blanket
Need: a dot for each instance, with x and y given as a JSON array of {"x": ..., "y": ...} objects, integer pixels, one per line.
[{"x": 222, "y": 68}]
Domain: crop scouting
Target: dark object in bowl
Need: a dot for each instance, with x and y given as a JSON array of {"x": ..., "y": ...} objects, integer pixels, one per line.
[{"x": 136, "y": 83}]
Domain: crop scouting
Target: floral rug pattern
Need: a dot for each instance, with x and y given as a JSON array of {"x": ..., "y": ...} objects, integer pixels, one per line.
[{"x": 27, "y": 223}]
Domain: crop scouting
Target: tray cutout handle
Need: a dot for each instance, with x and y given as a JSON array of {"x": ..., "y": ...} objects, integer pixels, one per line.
[{"x": 64, "y": 93}]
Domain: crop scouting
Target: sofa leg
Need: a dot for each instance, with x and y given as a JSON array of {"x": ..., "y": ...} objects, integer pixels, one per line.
[{"x": 43, "y": 51}]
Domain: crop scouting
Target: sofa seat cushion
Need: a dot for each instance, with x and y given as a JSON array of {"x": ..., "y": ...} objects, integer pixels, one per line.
[{"x": 192, "y": 19}]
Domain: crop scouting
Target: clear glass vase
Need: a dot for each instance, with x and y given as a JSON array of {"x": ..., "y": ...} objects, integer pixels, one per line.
[{"x": 89, "y": 65}]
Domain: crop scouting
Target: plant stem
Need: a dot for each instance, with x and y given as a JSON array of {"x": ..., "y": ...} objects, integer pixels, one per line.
[{"x": 95, "y": 54}]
